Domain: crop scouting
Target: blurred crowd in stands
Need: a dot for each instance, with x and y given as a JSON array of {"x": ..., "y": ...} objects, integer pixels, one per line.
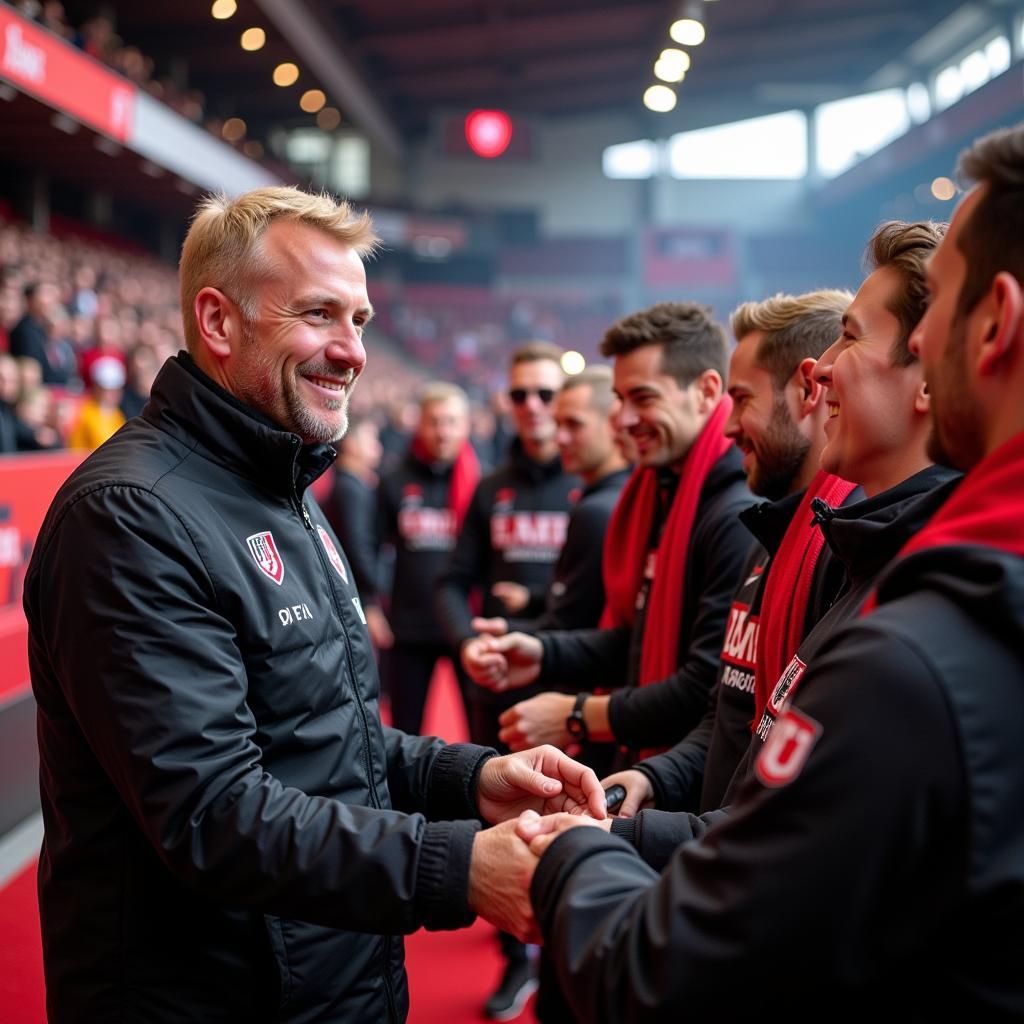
[
  {"x": 84, "y": 328},
  {"x": 98, "y": 37}
]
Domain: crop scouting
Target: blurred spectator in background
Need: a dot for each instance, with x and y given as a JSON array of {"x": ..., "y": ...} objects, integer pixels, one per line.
[
  {"x": 30, "y": 374},
  {"x": 16, "y": 435},
  {"x": 421, "y": 505},
  {"x": 38, "y": 412},
  {"x": 31, "y": 335},
  {"x": 108, "y": 345},
  {"x": 396, "y": 433},
  {"x": 11, "y": 309},
  {"x": 100, "y": 416}
]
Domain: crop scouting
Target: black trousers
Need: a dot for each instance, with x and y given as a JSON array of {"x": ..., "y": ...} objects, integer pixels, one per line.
[{"x": 406, "y": 671}]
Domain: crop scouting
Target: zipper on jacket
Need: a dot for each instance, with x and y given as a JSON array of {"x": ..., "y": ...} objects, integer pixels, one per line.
[
  {"x": 300, "y": 507},
  {"x": 389, "y": 991},
  {"x": 824, "y": 513}
]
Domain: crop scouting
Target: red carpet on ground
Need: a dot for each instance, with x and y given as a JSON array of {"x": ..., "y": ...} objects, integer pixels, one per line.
[{"x": 450, "y": 973}]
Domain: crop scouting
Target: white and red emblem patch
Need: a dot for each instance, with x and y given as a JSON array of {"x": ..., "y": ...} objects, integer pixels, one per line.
[
  {"x": 786, "y": 751},
  {"x": 265, "y": 554},
  {"x": 332, "y": 552},
  {"x": 787, "y": 684}
]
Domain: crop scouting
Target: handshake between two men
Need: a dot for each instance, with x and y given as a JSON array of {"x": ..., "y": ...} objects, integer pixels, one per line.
[{"x": 530, "y": 798}]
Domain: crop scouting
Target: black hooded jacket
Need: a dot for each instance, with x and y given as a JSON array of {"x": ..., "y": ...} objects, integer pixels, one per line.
[
  {"x": 862, "y": 538},
  {"x": 230, "y": 832},
  {"x": 695, "y": 773},
  {"x": 872, "y": 859}
]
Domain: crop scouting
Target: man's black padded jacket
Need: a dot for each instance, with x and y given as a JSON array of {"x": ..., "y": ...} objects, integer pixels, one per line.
[{"x": 230, "y": 832}]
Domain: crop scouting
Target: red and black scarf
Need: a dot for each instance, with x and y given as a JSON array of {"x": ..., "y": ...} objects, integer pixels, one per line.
[
  {"x": 986, "y": 509},
  {"x": 628, "y": 539},
  {"x": 465, "y": 476},
  {"x": 788, "y": 587}
]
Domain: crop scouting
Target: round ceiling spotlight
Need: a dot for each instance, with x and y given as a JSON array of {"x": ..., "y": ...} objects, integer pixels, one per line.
[
  {"x": 674, "y": 58},
  {"x": 312, "y": 100},
  {"x": 687, "y": 32},
  {"x": 573, "y": 362},
  {"x": 328, "y": 119},
  {"x": 233, "y": 129},
  {"x": 223, "y": 9},
  {"x": 671, "y": 69},
  {"x": 488, "y": 132},
  {"x": 286, "y": 74},
  {"x": 943, "y": 189},
  {"x": 253, "y": 39},
  {"x": 659, "y": 98}
]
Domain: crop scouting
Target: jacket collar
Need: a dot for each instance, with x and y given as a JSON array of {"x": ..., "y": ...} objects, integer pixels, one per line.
[
  {"x": 867, "y": 535},
  {"x": 535, "y": 472},
  {"x": 769, "y": 520},
  {"x": 615, "y": 479},
  {"x": 187, "y": 404}
]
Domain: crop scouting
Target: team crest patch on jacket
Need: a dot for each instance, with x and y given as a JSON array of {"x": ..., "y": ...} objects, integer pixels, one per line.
[
  {"x": 265, "y": 554},
  {"x": 790, "y": 743},
  {"x": 332, "y": 553}
]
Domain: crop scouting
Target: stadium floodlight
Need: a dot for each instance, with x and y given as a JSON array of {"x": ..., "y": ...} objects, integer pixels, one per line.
[{"x": 659, "y": 98}]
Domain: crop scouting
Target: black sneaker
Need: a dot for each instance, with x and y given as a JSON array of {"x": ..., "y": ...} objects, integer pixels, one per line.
[{"x": 518, "y": 983}]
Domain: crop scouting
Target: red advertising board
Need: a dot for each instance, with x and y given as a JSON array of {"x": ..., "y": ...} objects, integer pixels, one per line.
[
  {"x": 27, "y": 486},
  {"x": 65, "y": 78}
]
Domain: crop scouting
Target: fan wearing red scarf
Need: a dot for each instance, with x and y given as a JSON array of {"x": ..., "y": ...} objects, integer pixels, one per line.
[
  {"x": 777, "y": 422},
  {"x": 673, "y": 554},
  {"x": 421, "y": 503},
  {"x": 877, "y": 845}
]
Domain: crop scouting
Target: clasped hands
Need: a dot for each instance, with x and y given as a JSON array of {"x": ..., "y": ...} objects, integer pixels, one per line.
[
  {"x": 498, "y": 660},
  {"x": 529, "y": 798}
]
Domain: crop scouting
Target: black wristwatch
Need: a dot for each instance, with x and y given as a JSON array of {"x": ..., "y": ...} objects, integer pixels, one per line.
[{"x": 575, "y": 724}]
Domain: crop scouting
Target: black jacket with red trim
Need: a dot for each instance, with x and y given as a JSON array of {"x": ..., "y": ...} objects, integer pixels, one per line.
[
  {"x": 862, "y": 537},
  {"x": 874, "y": 856},
  {"x": 230, "y": 832},
  {"x": 695, "y": 773}
]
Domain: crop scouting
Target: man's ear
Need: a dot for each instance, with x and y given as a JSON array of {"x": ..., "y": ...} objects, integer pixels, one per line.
[
  {"x": 218, "y": 321},
  {"x": 922, "y": 400},
  {"x": 709, "y": 387},
  {"x": 807, "y": 389},
  {"x": 999, "y": 318}
]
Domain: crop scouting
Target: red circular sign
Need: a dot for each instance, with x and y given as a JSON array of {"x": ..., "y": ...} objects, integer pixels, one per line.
[{"x": 488, "y": 132}]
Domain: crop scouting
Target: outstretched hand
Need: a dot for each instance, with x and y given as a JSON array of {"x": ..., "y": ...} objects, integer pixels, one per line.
[{"x": 544, "y": 780}]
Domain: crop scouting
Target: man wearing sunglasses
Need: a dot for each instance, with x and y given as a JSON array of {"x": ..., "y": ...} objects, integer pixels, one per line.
[{"x": 507, "y": 549}]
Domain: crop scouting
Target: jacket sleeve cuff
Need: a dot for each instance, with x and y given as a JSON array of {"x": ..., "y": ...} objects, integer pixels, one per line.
[
  {"x": 451, "y": 791},
  {"x": 562, "y": 858},
  {"x": 625, "y": 828},
  {"x": 442, "y": 874}
]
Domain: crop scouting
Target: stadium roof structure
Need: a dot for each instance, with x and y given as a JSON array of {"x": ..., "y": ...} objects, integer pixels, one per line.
[{"x": 391, "y": 65}]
